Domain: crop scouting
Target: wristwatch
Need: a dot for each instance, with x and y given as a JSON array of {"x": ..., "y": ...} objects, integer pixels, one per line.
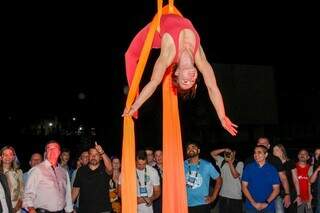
[{"x": 267, "y": 202}]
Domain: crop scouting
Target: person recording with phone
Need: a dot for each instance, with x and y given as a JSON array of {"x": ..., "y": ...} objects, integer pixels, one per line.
[{"x": 230, "y": 199}]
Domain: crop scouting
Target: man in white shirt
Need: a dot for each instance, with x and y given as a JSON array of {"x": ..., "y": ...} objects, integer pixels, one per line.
[
  {"x": 148, "y": 184},
  {"x": 48, "y": 187}
]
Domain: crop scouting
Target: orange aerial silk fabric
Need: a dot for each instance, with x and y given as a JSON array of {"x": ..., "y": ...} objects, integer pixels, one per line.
[
  {"x": 174, "y": 188},
  {"x": 174, "y": 185}
]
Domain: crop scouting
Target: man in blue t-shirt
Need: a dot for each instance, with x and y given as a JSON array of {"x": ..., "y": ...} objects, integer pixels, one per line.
[
  {"x": 260, "y": 183},
  {"x": 198, "y": 173}
]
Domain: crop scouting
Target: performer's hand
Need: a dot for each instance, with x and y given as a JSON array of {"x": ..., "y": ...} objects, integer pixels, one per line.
[
  {"x": 128, "y": 111},
  {"x": 125, "y": 112},
  {"x": 229, "y": 126}
]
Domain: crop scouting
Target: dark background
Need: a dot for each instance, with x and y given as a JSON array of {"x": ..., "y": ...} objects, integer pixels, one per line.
[{"x": 65, "y": 61}]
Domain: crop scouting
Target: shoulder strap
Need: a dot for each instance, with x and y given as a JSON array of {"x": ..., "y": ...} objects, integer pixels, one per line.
[{"x": 222, "y": 163}]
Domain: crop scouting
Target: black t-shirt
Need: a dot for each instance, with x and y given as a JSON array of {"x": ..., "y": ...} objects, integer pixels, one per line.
[
  {"x": 288, "y": 166},
  {"x": 273, "y": 160},
  {"x": 94, "y": 191}
]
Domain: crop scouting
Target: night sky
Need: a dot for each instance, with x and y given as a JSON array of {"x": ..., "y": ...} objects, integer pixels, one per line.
[{"x": 68, "y": 60}]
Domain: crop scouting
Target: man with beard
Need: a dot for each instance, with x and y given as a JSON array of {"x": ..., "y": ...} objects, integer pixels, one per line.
[
  {"x": 92, "y": 183},
  {"x": 304, "y": 173},
  {"x": 198, "y": 173}
]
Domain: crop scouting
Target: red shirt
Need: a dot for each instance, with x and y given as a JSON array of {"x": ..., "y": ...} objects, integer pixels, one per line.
[{"x": 303, "y": 178}]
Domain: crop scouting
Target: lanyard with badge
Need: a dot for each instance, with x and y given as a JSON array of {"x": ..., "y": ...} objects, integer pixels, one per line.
[
  {"x": 143, "y": 188},
  {"x": 192, "y": 177}
]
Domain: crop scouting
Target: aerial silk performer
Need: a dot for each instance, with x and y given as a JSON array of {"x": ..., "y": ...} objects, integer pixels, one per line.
[{"x": 181, "y": 56}]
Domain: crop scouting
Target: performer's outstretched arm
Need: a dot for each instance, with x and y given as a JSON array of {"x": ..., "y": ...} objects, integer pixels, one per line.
[
  {"x": 165, "y": 59},
  {"x": 214, "y": 93}
]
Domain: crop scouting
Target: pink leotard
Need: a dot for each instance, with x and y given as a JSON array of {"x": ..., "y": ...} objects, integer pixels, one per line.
[{"x": 171, "y": 24}]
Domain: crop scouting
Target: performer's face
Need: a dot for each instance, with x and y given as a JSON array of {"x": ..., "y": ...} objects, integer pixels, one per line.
[
  {"x": 187, "y": 78},
  {"x": 186, "y": 72}
]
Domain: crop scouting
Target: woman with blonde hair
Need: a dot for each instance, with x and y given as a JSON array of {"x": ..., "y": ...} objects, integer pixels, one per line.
[
  {"x": 10, "y": 167},
  {"x": 114, "y": 185},
  {"x": 291, "y": 173}
]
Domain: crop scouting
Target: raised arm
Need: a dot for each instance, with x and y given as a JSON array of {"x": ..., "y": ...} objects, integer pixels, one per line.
[
  {"x": 105, "y": 158},
  {"x": 235, "y": 173},
  {"x": 215, "y": 153},
  {"x": 214, "y": 93},
  {"x": 165, "y": 59}
]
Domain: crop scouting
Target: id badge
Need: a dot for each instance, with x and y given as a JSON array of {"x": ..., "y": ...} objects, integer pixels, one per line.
[
  {"x": 143, "y": 191},
  {"x": 191, "y": 181}
]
